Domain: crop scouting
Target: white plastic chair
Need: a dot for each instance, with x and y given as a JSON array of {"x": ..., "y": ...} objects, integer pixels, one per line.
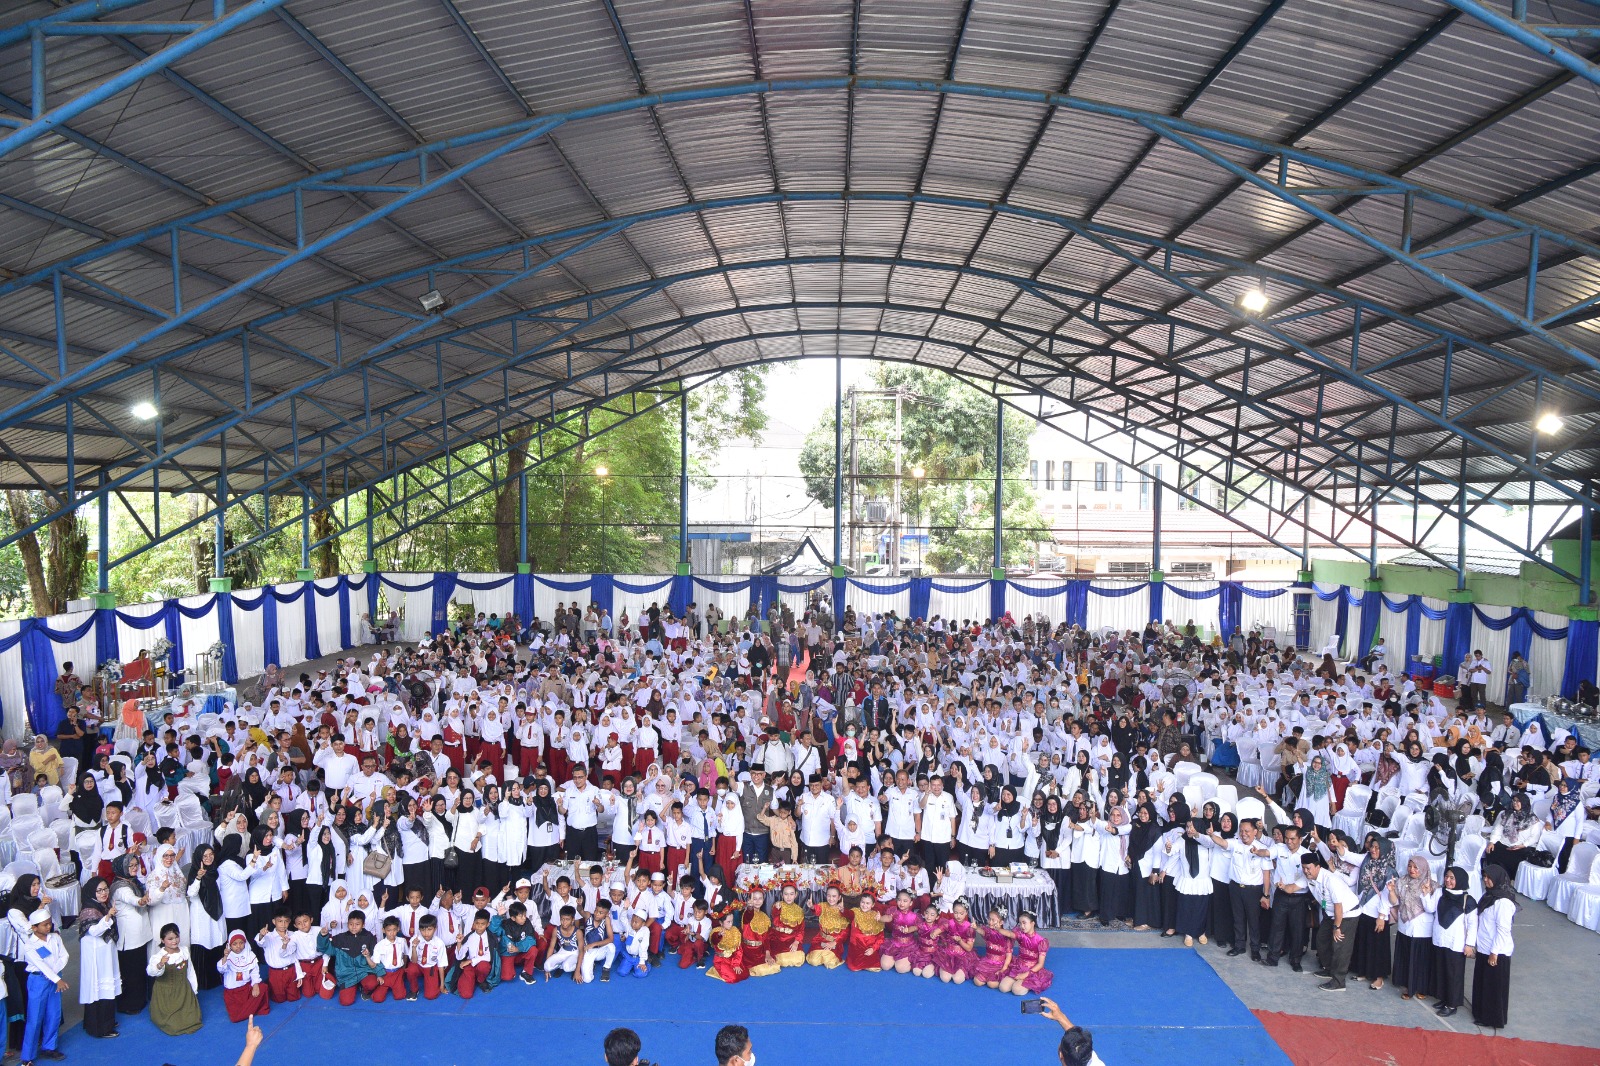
[
  {"x": 1194, "y": 796},
  {"x": 42, "y": 840},
  {"x": 1184, "y": 772},
  {"x": 1249, "y": 773},
  {"x": 1208, "y": 784},
  {"x": 138, "y": 820},
  {"x": 1578, "y": 871},
  {"x": 87, "y": 845},
  {"x": 1351, "y": 818},
  {"x": 1534, "y": 881},
  {"x": 1398, "y": 821},
  {"x": 1271, "y": 771},
  {"x": 1250, "y": 807},
  {"x": 21, "y": 828},
  {"x": 1469, "y": 856},
  {"x": 69, "y": 769},
  {"x": 1227, "y": 797},
  {"x": 191, "y": 815},
  {"x": 24, "y": 804},
  {"x": 1583, "y": 906}
]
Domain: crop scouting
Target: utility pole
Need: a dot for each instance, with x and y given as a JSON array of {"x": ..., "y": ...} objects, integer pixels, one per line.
[
  {"x": 899, "y": 463},
  {"x": 854, "y": 536}
]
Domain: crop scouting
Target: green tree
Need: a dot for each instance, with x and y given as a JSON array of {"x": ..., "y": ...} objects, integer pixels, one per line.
[{"x": 952, "y": 439}]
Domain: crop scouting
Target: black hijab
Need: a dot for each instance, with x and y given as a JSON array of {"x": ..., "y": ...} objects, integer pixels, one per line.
[
  {"x": 1453, "y": 903},
  {"x": 87, "y": 804},
  {"x": 1050, "y": 824},
  {"x": 254, "y": 791},
  {"x": 91, "y": 910},
  {"x": 209, "y": 893},
  {"x": 1144, "y": 834},
  {"x": 1496, "y": 886},
  {"x": 544, "y": 804},
  {"x": 1191, "y": 845}
]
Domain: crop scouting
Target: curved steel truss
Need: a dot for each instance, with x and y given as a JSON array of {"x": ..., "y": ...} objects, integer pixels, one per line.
[{"x": 1067, "y": 249}]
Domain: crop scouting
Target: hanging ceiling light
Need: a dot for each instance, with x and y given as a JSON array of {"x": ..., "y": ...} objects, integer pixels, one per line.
[
  {"x": 1253, "y": 300},
  {"x": 431, "y": 301},
  {"x": 1549, "y": 423},
  {"x": 144, "y": 410}
]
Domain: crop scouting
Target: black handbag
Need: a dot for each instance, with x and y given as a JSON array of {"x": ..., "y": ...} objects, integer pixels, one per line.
[
  {"x": 452, "y": 857},
  {"x": 1541, "y": 858},
  {"x": 1378, "y": 818}
]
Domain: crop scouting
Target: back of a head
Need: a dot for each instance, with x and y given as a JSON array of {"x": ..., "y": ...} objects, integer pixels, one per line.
[
  {"x": 1077, "y": 1047},
  {"x": 622, "y": 1047},
  {"x": 731, "y": 1041}
]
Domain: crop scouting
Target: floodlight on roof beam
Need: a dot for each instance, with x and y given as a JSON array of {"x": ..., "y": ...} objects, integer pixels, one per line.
[
  {"x": 1253, "y": 300},
  {"x": 431, "y": 301}
]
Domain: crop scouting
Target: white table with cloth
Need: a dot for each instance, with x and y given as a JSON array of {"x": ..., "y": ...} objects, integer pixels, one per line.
[{"x": 1587, "y": 731}]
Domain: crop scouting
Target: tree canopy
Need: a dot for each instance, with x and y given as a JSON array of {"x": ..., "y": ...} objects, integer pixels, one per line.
[{"x": 951, "y": 437}]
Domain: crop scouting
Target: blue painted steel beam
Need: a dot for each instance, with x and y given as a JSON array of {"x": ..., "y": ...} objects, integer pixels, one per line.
[
  {"x": 44, "y": 121},
  {"x": 1529, "y": 37},
  {"x": 1166, "y": 126},
  {"x": 588, "y": 232}
]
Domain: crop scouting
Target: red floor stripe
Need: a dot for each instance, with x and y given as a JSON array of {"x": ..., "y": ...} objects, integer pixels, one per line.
[{"x": 1330, "y": 1042}]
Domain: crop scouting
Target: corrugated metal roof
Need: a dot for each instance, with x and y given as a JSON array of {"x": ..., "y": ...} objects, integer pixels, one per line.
[{"x": 1411, "y": 89}]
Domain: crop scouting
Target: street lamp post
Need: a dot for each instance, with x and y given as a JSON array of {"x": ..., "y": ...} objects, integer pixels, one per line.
[{"x": 918, "y": 473}]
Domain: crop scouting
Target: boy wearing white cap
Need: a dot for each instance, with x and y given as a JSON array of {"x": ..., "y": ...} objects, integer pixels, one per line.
[{"x": 45, "y": 957}]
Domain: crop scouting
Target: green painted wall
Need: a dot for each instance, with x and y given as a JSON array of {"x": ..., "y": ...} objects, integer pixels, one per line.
[{"x": 1535, "y": 587}]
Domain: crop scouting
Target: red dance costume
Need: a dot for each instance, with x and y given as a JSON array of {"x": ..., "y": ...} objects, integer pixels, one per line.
[
  {"x": 833, "y": 930},
  {"x": 866, "y": 941},
  {"x": 788, "y": 929},
  {"x": 728, "y": 964},
  {"x": 997, "y": 944},
  {"x": 1031, "y": 947}
]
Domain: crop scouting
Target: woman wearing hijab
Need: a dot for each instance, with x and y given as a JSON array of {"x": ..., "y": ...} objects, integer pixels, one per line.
[
  {"x": 1413, "y": 934},
  {"x": 1142, "y": 856},
  {"x": 1010, "y": 829},
  {"x": 1055, "y": 846},
  {"x": 544, "y": 828},
  {"x": 1371, "y": 958},
  {"x": 1493, "y": 946},
  {"x": 1566, "y": 820},
  {"x": 1454, "y": 930},
  {"x": 131, "y": 897},
  {"x": 1115, "y": 873},
  {"x": 1193, "y": 880},
  {"x": 1516, "y": 834},
  {"x": 1316, "y": 792},
  {"x": 99, "y": 978},
  {"x": 466, "y": 836},
  {"x": 169, "y": 892},
  {"x": 208, "y": 930},
  {"x": 1227, "y": 827},
  {"x": 1084, "y": 878},
  {"x": 1491, "y": 784}
]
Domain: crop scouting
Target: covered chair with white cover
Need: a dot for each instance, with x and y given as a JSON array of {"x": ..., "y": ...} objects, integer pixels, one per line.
[
  {"x": 1583, "y": 902},
  {"x": 1250, "y": 807},
  {"x": 1351, "y": 819},
  {"x": 1578, "y": 870},
  {"x": 1227, "y": 797},
  {"x": 1271, "y": 770},
  {"x": 1249, "y": 773},
  {"x": 1534, "y": 881}
]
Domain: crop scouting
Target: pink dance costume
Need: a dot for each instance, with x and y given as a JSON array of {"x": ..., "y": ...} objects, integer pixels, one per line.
[
  {"x": 901, "y": 942},
  {"x": 1031, "y": 947},
  {"x": 997, "y": 955},
  {"x": 925, "y": 946},
  {"x": 951, "y": 957}
]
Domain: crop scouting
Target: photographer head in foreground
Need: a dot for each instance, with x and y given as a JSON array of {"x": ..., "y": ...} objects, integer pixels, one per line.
[
  {"x": 733, "y": 1047},
  {"x": 623, "y": 1047},
  {"x": 1077, "y": 1046}
]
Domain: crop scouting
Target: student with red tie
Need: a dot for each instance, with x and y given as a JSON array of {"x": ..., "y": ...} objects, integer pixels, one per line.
[{"x": 476, "y": 955}]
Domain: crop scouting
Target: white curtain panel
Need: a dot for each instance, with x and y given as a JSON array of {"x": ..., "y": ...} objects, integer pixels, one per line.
[
  {"x": 131, "y": 641},
  {"x": 636, "y": 603},
  {"x": 1496, "y": 647},
  {"x": 1324, "y": 616},
  {"x": 1206, "y": 613},
  {"x": 248, "y": 647},
  {"x": 358, "y": 603},
  {"x": 1430, "y": 634},
  {"x": 865, "y": 595},
  {"x": 1547, "y": 659},
  {"x": 1120, "y": 612},
  {"x": 13, "y": 698},
  {"x": 1021, "y": 604},
  {"x": 545, "y": 598},
  {"x": 1275, "y": 611},
  {"x": 1392, "y": 628},
  {"x": 198, "y": 633},
  {"x": 1352, "y": 631},
  {"x": 80, "y": 652},
  {"x": 498, "y": 600},
  {"x": 958, "y": 606},
  {"x": 291, "y": 627},
  {"x": 731, "y": 604},
  {"x": 795, "y": 592},
  {"x": 328, "y": 639}
]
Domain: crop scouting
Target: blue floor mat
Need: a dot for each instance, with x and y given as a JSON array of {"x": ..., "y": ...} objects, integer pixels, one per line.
[{"x": 1142, "y": 1005}]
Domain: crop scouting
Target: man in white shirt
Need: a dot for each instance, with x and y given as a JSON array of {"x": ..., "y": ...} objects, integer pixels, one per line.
[
  {"x": 1336, "y": 934},
  {"x": 900, "y": 816},
  {"x": 936, "y": 825},
  {"x": 859, "y": 818},
  {"x": 817, "y": 810},
  {"x": 338, "y": 766},
  {"x": 581, "y": 804},
  {"x": 1479, "y": 679},
  {"x": 1250, "y": 886},
  {"x": 1289, "y": 901}
]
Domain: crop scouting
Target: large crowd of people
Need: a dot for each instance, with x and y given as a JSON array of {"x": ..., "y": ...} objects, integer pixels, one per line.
[{"x": 574, "y": 797}]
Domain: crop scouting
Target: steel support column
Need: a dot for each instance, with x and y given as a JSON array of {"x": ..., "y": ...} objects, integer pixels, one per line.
[
  {"x": 838, "y": 461},
  {"x": 999, "y": 484},
  {"x": 1586, "y": 545},
  {"x": 522, "y": 516},
  {"x": 683, "y": 482},
  {"x": 103, "y": 537},
  {"x": 1155, "y": 530}
]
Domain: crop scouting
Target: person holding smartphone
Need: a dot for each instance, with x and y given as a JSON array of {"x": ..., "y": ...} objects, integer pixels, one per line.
[{"x": 1077, "y": 1046}]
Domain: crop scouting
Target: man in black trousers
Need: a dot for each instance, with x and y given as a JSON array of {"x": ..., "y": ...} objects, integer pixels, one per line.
[
  {"x": 1250, "y": 870},
  {"x": 1289, "y": 899}
]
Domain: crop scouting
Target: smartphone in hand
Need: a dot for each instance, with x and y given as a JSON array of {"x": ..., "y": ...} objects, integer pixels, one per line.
[{"x": 1032, "y": 1006}]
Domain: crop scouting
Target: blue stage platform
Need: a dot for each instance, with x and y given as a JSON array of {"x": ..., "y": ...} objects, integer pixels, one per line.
[{"x": 1142, "y": 1005}]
